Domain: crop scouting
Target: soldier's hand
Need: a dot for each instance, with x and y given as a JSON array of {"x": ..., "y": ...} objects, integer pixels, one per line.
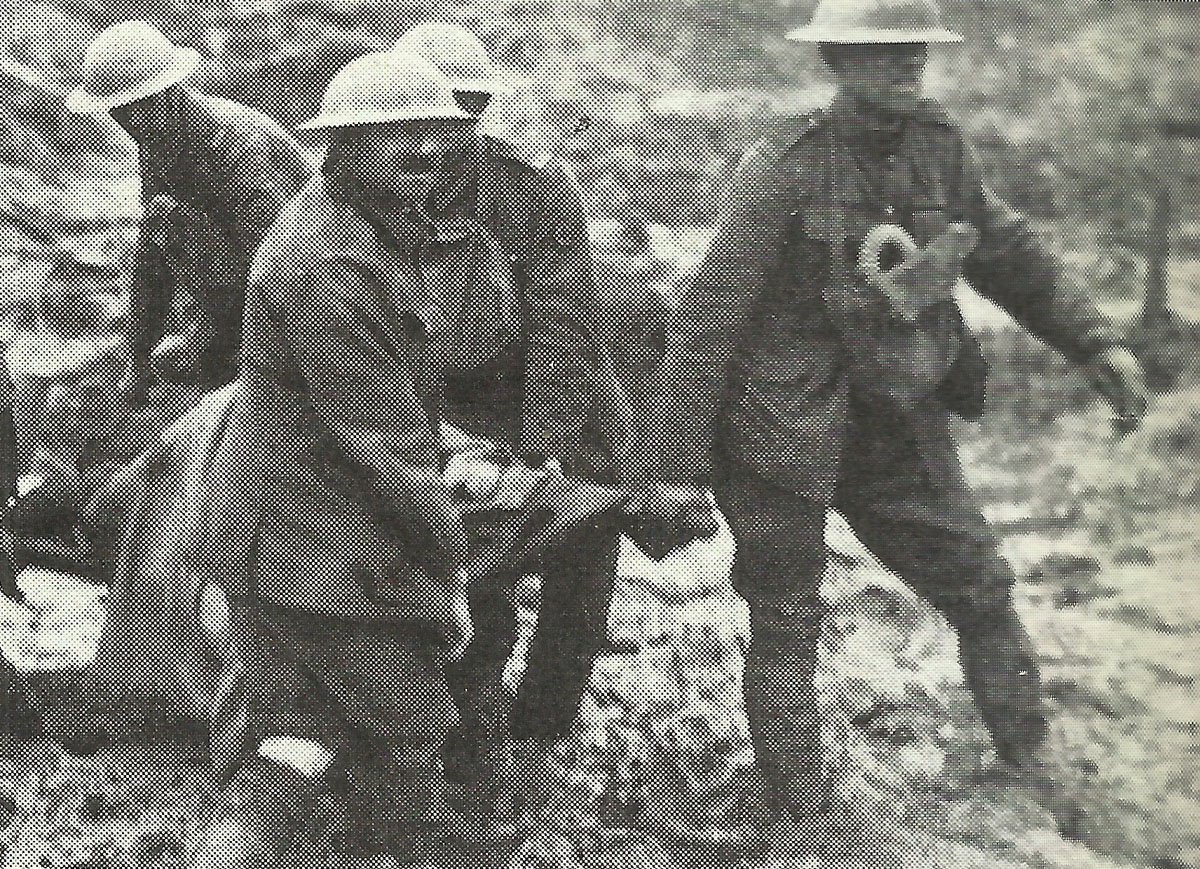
[
  {"x": 472, "y": 477},
  {"x": 1119, "y": 378},
  {"x": 461, "y": 630}
]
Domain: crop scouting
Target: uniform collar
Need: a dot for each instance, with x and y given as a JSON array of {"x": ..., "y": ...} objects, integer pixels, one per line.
[{"x": 875, "y": 136}]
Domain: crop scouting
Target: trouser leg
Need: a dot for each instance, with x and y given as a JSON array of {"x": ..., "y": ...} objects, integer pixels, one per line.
[
  {"x": 778, "y": 567},
  {"x": 366, "y": 700},
  {"x": 477, "y": 749},
  {"x": 962, "y": 574},
  {"x": 572, "y": 628}
]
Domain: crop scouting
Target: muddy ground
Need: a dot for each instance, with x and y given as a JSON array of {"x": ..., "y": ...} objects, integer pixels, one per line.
[{"x": 1103, "y": 535}]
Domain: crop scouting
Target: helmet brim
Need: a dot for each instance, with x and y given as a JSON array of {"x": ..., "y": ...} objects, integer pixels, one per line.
[
  {"x": 872, "y": 36},
  {"x": 364, "y": 119},
  {"x": 81, "y": 101},
  {"x": 493, "y": 87}
]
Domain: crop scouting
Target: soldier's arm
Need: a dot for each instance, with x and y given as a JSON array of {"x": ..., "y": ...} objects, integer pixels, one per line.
[
  {"x": 562, "y": 348},
  {"x": 1014, "y": 269},
  {"x": 149, "y": 303},
  {"x": 361, "y": 375},
  {"x": 717, "y": 301}
]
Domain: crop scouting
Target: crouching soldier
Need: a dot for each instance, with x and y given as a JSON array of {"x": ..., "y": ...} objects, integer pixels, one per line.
[
  {"x": 214, "y": 175},
  {"x": 379, "y": 307},
  {"x": 818, "y": 376}
]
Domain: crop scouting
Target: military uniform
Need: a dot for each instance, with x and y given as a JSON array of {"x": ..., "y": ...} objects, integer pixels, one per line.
[
  {"x": 367, "y": 328},
  {"x": 535, "y": 392},
  {"x": 210, "y": 188},
  {"x": 786, "y": 378}
]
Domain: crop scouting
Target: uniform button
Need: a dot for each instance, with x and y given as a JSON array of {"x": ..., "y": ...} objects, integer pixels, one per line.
[{"x": 889, "y": 210}]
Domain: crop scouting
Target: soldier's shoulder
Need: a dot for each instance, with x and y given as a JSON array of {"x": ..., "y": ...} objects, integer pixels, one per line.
[
  {"x": 785, "y": 149},
  {"x": 535, "y": 165},
  {"x": 782, "y": 141},
  {"x": 516, "y": 161},
  {"x": 237, "y": 126},
  {"x": 792, "y": 133},
  {"x": 530, "y": 170},
  {"x": 507, "y": 153}
]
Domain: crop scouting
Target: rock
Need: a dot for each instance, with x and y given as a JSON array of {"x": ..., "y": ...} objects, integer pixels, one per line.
[
  {"x": 8, "y": 810},
  {"x": 885, "y": 618},
  {"x": 637, "y": 617},
  {"x": 629, "y": 851},
  {"x": 697, "y": 570},
  {"x": 644, "y": 684}
]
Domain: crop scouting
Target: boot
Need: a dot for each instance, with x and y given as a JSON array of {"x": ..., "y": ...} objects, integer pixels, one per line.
[{"x": 480, "y": 768}]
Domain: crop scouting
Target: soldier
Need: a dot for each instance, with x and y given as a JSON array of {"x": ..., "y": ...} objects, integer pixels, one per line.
[
  {"x": 381, "y": 309},
  {"x": 329, "y": 504},
  {"x": 814, "y": 377},
  {"x": 214, "y": 174},
  {"x": 536, "y": 395}
]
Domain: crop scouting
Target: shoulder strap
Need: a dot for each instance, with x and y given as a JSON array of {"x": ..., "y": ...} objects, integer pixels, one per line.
[{"x": 489, "y": 180}]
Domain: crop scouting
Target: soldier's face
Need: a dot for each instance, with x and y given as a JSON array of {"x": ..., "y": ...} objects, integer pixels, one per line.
[
  {"x": 408, "y": 159},
  {"x": 887, "y": 78}
]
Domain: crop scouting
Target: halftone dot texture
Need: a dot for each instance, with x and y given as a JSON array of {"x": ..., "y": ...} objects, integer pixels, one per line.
[{"x": 884, "y": 758}]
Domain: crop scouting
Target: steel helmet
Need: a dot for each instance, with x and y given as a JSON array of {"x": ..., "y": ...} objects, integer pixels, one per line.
[
  {"x": 458, "y": 53},
  {"x": 875, "y": 21},
  {"x": 386, "y": 88},
  {"x": 128, "y": 62}
]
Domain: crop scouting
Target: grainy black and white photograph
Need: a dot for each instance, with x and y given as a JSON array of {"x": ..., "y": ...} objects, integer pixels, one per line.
[{"x": 600, "y": 434}]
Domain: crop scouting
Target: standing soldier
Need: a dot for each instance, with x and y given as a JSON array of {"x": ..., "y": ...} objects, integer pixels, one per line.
[
  {"x": 537, "y": 395},
  {"x": 214, "y": 175},
  {"x": 817, "y": 378},
  {"x": 332, "y": 530}
]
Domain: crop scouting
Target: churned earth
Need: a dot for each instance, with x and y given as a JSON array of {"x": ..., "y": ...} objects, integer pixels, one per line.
[{"x": 1103, "y": 535}]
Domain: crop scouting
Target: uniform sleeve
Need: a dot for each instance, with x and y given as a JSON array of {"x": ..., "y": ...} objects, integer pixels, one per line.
[
  {"x": 149, "y": 300},
  {"x": 1013, "y": 268},
  {"x": 562, "y": 348},
  {"x": 362, "y": 378},
  {"x": 263, "y": 174},
  {"x": 717, "y": 300}
]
